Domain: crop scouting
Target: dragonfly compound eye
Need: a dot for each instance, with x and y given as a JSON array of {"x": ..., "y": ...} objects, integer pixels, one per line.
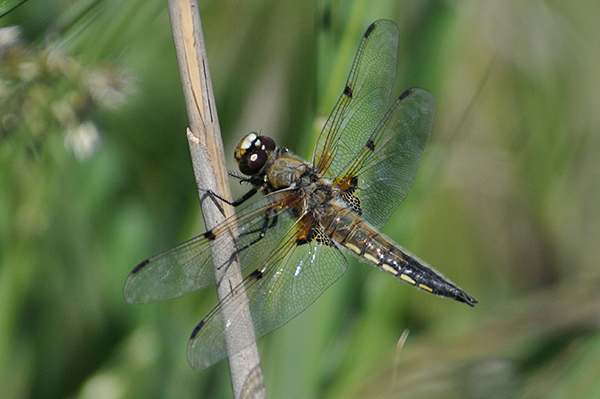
[
  {"x": 268, "y": 144},
  {"x": 252, "y": 163}
]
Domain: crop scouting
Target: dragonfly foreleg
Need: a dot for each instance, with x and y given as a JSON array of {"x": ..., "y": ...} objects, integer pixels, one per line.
[
  {"x": 214, "y": 197},
  {"x": 244, "y": 198},
  {"x": 268, "y": 223}
]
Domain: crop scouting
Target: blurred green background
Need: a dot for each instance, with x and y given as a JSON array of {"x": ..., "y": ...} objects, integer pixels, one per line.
[{"x": 95, "y": 176}]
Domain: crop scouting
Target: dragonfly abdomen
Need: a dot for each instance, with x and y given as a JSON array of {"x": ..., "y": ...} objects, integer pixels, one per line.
[{"x": 352, "y": 232}]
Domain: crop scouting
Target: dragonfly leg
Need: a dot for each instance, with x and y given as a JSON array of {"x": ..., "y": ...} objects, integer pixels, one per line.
[
  {"x": 214, "y": 197},
  {"x": 244, "y": 197},
  {"x": 268, "y": 223}
]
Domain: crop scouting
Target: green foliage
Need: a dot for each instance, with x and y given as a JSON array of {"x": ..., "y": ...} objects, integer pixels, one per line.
[{"x": 95, "y": 177}]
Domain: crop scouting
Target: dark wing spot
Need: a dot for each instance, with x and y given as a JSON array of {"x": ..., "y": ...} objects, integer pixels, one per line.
[
  {"x": 140, "y": 266},
  {"x": 348, "y": 91},
  {"x": 322, "y": 237},
  {"x": 209, "y": 235},
  {"x": 257, "y": 274},
  {"x": 352, "y": 201},
  {"x": 370, "y": 145},
  {"x": 405, "y": 94},
  {"x": 350, "y": 198},
  {"x": 308, "y": 238},
  {"x": 370, "y": 29},
  {"x": 301, "y": 241},
  {"x": 316, "y": 234},
  {"x": 197, "y": 329}
]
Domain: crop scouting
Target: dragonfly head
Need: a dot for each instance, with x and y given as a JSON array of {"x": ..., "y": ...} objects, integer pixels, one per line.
[{"x": 253, "y": 152}]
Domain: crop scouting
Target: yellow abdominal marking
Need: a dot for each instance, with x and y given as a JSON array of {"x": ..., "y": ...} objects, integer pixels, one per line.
[
  {"x": 390, "y": 269},
  {"x": 408, "y": 279},
  {"x": 372, "y": 259},
  {"x": 353, "y": 247},
  {"x": 426, "y": 288}
]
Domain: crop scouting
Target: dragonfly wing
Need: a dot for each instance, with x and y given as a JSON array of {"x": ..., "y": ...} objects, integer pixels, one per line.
[
  {"x": 384, "y": 169},
  {"x": 363, "y": 102},
  {"x": 188, "y": 267},
  {"x": 291, "y": 279}
]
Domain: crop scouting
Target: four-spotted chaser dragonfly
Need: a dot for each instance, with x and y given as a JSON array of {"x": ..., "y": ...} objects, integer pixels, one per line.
[{"x": 364, "y": 164}]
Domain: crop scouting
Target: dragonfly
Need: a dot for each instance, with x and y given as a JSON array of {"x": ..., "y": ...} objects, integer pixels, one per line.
[{"x": 293, "y": 238}]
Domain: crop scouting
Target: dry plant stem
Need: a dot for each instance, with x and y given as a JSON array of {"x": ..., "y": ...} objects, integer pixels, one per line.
[{"x": 206, "y": 148}]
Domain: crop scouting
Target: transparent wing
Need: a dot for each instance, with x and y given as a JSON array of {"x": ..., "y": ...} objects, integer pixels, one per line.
[
  {"x": 289, "y": 281},
  {"x": 363, "y": 102},
  {"x": 385, "y": 167},
  {"x": 188, "y": 267}
]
